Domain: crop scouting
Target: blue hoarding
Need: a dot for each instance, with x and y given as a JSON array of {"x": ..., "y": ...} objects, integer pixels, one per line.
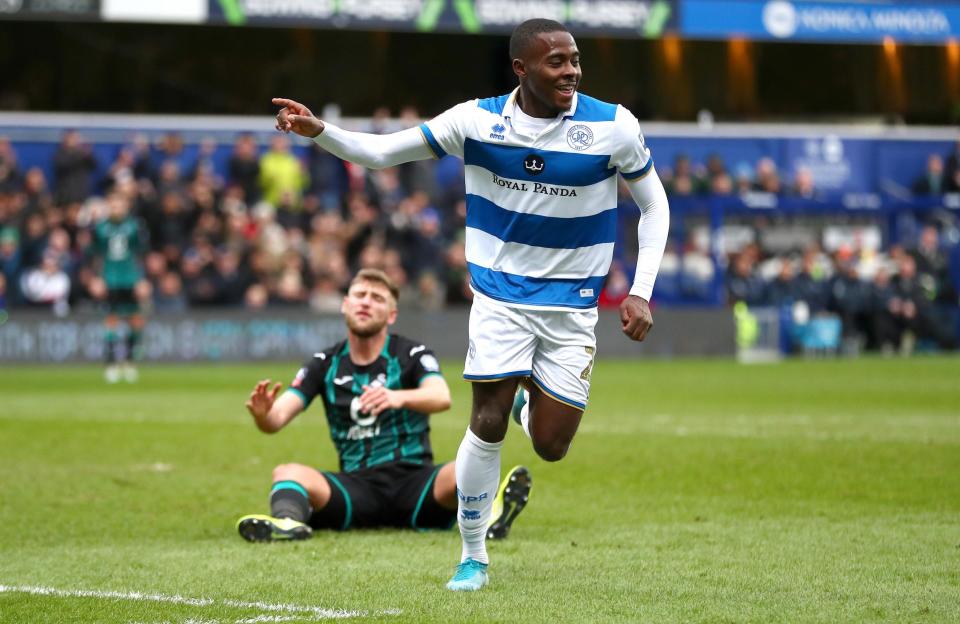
[{"x": 803, "y": 20}]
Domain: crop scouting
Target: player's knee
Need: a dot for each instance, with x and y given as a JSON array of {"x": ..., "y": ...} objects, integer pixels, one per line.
[
  {"x": 286, "y": 472},
  {"x": 551, "y": 450}
]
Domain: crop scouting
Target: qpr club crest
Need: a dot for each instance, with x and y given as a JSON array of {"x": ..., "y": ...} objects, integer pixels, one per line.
[
  {"x": 534, "y": 164},
  {"x": 579, "y": 137}
]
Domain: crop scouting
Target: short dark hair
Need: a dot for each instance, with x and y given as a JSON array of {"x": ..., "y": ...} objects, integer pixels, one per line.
[
  {"x": 376, "y": 275},
  {"x": 526, "y": 32}
]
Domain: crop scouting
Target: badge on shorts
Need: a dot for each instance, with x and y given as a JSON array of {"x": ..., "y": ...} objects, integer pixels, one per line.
[
  {"x": 586, "y": 292},
  {"x": 585, "y": 374}
]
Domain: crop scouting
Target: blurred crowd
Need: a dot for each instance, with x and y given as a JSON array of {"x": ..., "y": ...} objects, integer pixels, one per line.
[
  {"x": 270, "y": 227},
  {"x": 885, "y": 301}
]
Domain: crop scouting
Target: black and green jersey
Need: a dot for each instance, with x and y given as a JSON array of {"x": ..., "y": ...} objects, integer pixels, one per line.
[
  {"x": 362, "y": 440},
  {"x": 120, "y": 245}
]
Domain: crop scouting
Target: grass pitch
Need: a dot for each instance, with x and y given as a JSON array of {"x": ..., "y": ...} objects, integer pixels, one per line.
[{"x": 824, "y": 491}]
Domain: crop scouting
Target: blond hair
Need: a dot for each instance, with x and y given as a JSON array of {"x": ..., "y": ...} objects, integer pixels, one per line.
[{"x": 376, "y": 275}]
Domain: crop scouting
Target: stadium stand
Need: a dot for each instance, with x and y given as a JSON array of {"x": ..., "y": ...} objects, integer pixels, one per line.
[{"x": 246, "y": 220}]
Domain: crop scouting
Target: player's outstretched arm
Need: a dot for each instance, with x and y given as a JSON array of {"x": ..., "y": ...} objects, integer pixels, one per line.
[
  {"x": 270, "y": 412},
  {"x": 431, "y": 397},
  {"x": 374, "y": 151}
]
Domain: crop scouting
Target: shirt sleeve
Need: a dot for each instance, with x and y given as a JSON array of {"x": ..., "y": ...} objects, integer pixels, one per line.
[
  {"x": 374, "y": 151},
  {"x": 421, "y": 363},
  {"x": 631, "y": 155},
  {"x": 652, "y": 230},
  {"x": 446, "y": 132},
  {"x": 309, "y": 380}
]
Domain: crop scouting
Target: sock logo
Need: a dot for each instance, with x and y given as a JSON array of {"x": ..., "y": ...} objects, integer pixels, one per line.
[
  {"x": 470, "y": 514},
  {"x": 471, "y": 499}
]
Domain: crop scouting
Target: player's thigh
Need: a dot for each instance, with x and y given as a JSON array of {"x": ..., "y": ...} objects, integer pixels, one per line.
[
  {"x": 354, "y": 502},
  {"x": 415, "y": 498},
  {"x": 563, "y": 361},
  {"x": 501, "y": 342}
]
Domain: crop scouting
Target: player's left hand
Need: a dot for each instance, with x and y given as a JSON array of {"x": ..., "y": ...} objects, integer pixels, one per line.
[
  {"x": 635, "y": 316},
  {"x": 375, "y": 400}
]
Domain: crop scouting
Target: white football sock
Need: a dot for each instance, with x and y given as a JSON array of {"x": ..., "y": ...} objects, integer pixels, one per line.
[{"x": 478, "y": 476}]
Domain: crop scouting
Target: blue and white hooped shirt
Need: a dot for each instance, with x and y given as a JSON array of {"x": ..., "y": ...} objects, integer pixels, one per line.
[{"x": 541, "y": 210}]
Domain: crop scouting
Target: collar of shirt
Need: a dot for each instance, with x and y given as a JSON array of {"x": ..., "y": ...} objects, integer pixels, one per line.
[{"x": 509, "y": 110}]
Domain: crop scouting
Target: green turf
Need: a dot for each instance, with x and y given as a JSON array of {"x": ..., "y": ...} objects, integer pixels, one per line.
[{"x": 824, "y": 491}]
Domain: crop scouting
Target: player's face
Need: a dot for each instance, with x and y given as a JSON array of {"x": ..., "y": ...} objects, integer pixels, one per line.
[
  {"x": 550, "y": 72},
  {"x": 118, "y": 209},
  {"x": 368, "y": 308}
]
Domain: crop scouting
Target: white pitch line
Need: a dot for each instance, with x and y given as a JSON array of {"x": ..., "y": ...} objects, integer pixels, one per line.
[{"x": 313, "y": 612}]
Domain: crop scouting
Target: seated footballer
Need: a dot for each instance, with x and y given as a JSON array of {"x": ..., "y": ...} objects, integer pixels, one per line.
[{"x": 377, "y": 389}]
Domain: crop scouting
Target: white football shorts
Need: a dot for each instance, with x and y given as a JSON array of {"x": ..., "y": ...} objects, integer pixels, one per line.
[{"x": 555, "y": 349}]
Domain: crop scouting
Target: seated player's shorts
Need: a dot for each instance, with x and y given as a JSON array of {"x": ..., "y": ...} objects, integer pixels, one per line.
[
  {"x": 389, "y": 495},
  {"x": 122, "y": 301},
  {"x": 554, "y": 348}
]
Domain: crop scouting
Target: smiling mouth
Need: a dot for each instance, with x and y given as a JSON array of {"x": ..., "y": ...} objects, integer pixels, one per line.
[{"x": 567, "y": 89}]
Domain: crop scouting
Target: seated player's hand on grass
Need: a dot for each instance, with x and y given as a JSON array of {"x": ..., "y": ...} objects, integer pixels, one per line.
[
  {"x": 297, "y": 118},
  {"x": 636, "y": 317},
  {"x": 375, "y": 400},
  {"x": 262, "y": 398}
]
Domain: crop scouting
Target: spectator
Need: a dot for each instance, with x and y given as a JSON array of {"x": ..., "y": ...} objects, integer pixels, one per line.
[
  {"x": 36, "y": 196},
  {"x": 914, "y": 312},
  {"x": 47, "y": 285},
  {"x": 767, "y": 178},
  {"x": 803, "y": 186},
  {"x": 168, "y": 295},
  {"x": 743, "y": 283},
  {"x": 951, "y": 172},
  {"x": 885, "y": 331},
  {"x": 933, "y": 267},
  {"x": 810, "y": 284},
  {"x": 743, "y": 182},
  {"x": 232, "y": 277},
  {"x": 10, "y": 262},
  {"x": 281, "y": 174},
  {"x": 169, "y": 179},
  {"x": 10, "y": 178},
  {"x": 205, "y": 166},
  {"x": 850, "y": 300},
  {"x": 682, "y": 181},
  {"x": 257, "y": 297},
  {"x": 933, "y": 180},
  {"x": 783, "y": 289},
  {"x": 73, "y": 166},
  {"x": 326, "y": 296},
  {"x": 243, "y": 168},
  {"x": 34, "y": 240}
]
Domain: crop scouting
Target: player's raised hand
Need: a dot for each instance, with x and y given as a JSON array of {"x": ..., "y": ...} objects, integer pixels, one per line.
[
  {"x": 635, "y": 317},
  {"x": 377, "y": 399},
  {"x": 297, "y": 118},
  {"x": 262, "y": 398}
]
